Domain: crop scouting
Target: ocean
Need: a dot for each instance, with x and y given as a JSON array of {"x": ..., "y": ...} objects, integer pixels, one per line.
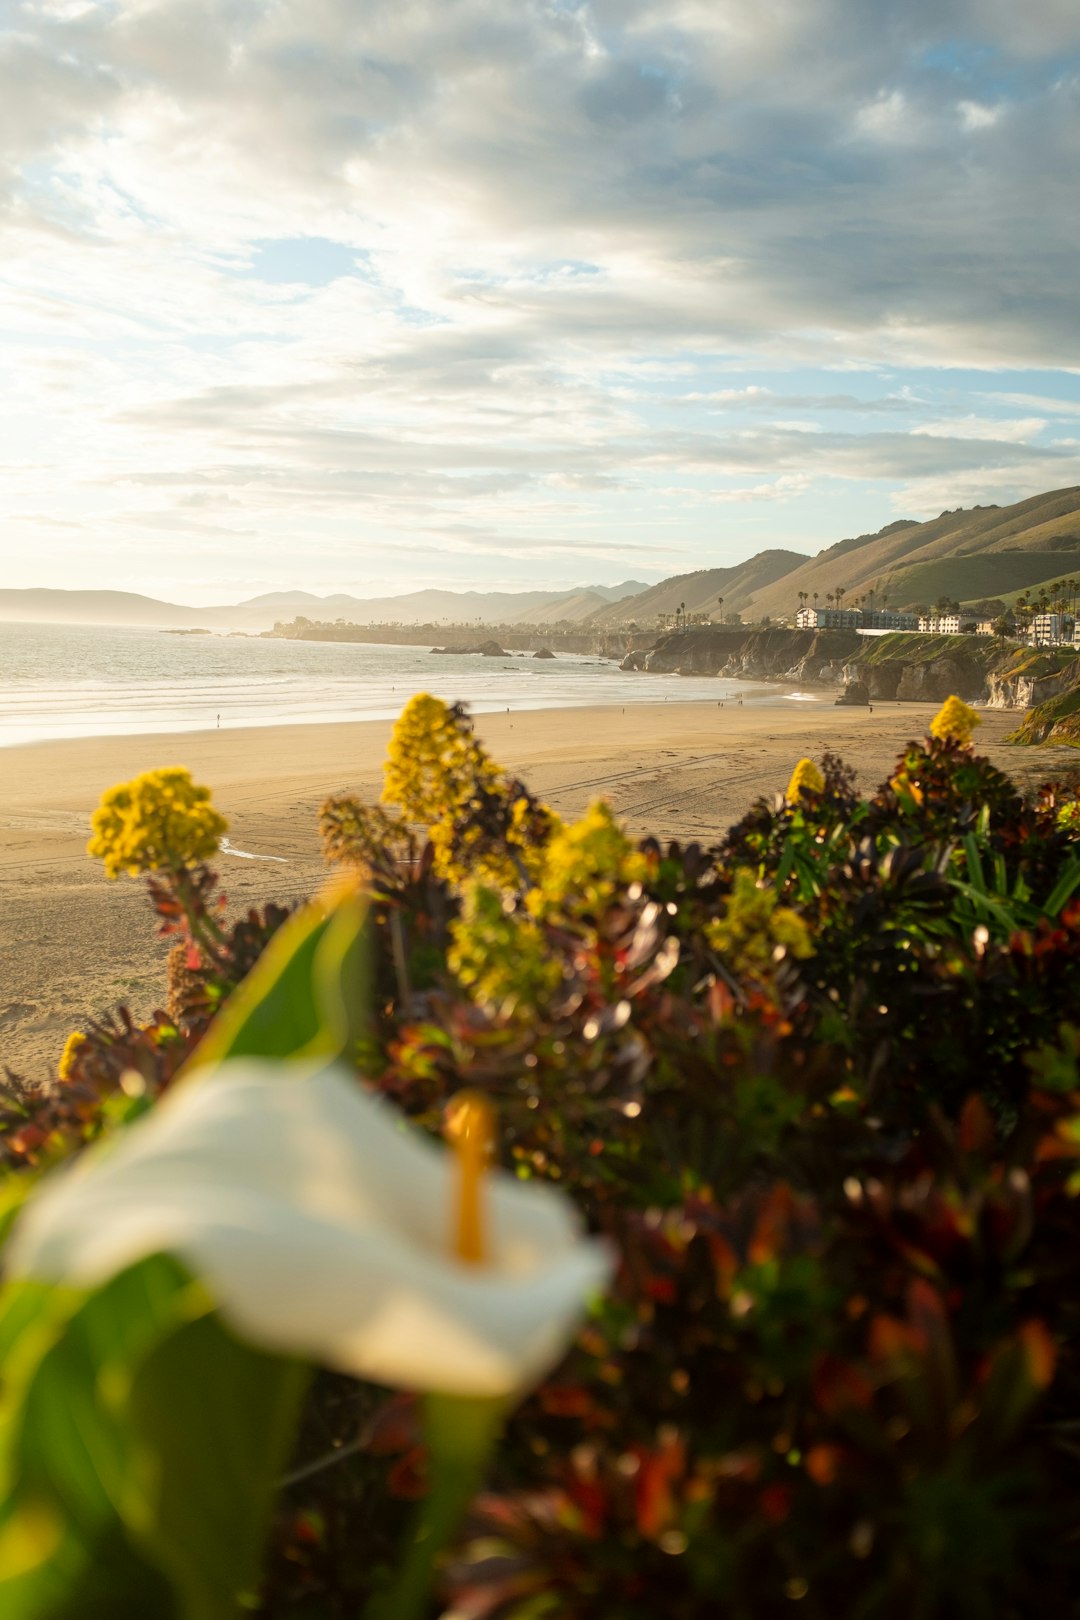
[{"x": 94, "y": 680}]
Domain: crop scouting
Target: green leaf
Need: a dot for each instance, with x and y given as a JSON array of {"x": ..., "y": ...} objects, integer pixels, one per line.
[
  {"x": 787, "y": 857},
  {"x": 139, "y": 1448},
  {"x": 974, "y": 864},
  {"x": 212, "y": 1422},
  {"x": 1064, "y": 889},
  {"x": 65, "y": 1551},
  {"x": 342, "y": 976},
  {"x": 273, "y": 1013},
  {"x": 983, "y": 902},
  {"x": 306, "y": 996}
]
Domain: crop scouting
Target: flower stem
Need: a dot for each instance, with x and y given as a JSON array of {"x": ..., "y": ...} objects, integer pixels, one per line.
[
  {"x": 461, "y": 1434},
  {"x": 203, "y": 929}
]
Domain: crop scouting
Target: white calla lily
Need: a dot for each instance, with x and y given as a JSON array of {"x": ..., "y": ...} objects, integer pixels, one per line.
[{"x": 322, "y": 1224}]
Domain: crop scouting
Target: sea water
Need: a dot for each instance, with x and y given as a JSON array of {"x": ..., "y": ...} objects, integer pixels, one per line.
[{"x": 95, "y": 680}]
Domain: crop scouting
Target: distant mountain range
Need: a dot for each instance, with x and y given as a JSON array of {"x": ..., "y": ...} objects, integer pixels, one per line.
[
  {"x": 985, "y": 552},
  {"x": 261, "y": 612}
]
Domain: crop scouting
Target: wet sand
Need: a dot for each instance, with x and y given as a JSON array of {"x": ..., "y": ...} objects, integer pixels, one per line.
[{"x": 73, "y": 944}]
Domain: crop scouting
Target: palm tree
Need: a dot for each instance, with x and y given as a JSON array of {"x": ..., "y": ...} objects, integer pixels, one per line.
[
  {"x": 720, "y": 606},
  {"x": 840, "y": 594}
]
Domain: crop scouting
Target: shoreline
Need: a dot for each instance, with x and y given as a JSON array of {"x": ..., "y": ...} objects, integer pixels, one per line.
[
  {"x": 761, "y": 690},
  {"x": 75, "y": 944}
]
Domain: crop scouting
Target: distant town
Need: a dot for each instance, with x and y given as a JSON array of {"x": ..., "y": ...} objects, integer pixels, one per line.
[{"x": 1050, "y": 620}]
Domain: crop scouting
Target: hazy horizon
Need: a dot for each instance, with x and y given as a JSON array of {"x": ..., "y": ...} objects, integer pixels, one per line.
[{"x": 514, "y": 297}]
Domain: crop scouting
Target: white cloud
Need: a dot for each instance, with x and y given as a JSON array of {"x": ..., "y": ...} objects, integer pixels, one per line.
[
  {"x": 887, "y": 118},
  {"x": 974, "y": 115},
  {"x": 548, "y": 248},
  {"x": 1019, "y": 431}
]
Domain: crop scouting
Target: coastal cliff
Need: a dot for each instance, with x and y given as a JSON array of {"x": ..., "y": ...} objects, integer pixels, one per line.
[
  {"x": 1054, "y": 715},
  {"x": 798, "y": 655},
  {"x": 900, "y": 667}
]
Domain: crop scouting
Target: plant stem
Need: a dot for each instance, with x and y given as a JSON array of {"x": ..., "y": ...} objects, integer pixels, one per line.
[
  {"x": 202, "y": 929},
  {"x": 461, "y": 1434}
]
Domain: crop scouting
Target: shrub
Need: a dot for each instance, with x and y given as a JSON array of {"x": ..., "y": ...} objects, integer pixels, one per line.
[{"x": 815, "y": 1085}]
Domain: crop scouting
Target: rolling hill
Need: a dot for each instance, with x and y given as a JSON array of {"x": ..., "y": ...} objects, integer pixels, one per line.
[
  {"x": 983, "y": 552},
  {"x": 700, "y": 591}
]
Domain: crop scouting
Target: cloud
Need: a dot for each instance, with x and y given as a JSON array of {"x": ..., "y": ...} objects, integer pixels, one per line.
[
  {"x": 394, "y": 264},
  {"x": 1020, "y": 431}
]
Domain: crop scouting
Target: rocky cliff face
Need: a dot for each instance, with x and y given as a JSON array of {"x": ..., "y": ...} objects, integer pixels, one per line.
[
  {"x": 1026, "y": 689},
  {"x": 798, "y": 655},
  {"x": 916, "y": 669},
  {"x": 928, "y": 681},
  {"x": 1055, "y": 718}
]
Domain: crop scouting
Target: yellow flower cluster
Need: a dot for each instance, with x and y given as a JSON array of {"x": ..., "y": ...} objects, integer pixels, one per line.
[
  {"x": 805, "y": 776},
  {"x": 585, "y": 863},
  {"x": 437, "y": 774},
  {"x": 161, "y": 819},
  {"x": 1068, "y": 817},
  {"x": 754, "y": 925},
  {"x": 499, "y": 953},
  {"x": 433, "y": 761},
  {"x": 956, "y": 720},
  {"x": 65, "y": 1069},
  {"x": 500, "y": 957}
]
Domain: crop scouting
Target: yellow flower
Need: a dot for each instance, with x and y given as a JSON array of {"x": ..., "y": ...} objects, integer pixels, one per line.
[
  {"x": 160, "y": 819},
  {"x": 754, "y": 924},
  {"x": 956, "y": 720},
  {"x": 433, "y": 761},
  {"x": 438, "y": 774},
  {"x": 585, "y": 864},
  {"x": 500, "y": 956},
  {"x": 65, "y": 1069},
  {"x": 805, "y": 776}
]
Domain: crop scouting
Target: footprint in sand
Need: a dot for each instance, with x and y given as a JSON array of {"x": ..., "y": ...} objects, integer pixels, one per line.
[{"x": 16, "y": 1010}]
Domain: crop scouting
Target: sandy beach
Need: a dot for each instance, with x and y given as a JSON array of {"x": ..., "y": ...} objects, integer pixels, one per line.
[{"x": 74, "y": 944}]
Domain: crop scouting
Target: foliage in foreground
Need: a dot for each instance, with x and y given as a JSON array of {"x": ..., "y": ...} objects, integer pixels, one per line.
[{"x": 816, "y": 1087}]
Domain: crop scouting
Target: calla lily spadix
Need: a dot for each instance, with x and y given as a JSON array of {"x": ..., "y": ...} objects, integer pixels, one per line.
[{"x": 323, "y": 1226}]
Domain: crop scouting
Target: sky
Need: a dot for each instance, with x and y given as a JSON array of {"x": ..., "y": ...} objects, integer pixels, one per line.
[{"x": 357, "y": 296}]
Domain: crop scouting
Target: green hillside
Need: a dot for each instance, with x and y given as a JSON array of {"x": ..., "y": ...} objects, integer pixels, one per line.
[
  {"x": 985, "y": 551},
  {"x": 993, "y": 573}
]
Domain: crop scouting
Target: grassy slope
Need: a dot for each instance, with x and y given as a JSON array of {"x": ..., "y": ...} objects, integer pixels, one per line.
[
  {"x": 1008, "y": 660},
  {"x": 701, "y": 589},
  {"x": 994, "y": 573},
  {"x": 1057, "y": 720},
  {"x": 1047, "y": 526}
]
